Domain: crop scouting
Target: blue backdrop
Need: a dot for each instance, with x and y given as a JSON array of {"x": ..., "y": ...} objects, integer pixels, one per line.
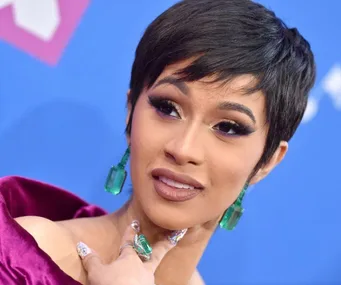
[{"x": 63, "y": 86}]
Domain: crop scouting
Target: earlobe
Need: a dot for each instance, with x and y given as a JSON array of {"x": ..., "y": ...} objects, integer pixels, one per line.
[{"x": 272, "y": 163}]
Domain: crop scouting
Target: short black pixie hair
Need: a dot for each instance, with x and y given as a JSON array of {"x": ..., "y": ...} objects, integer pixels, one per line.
[{"x": 227, "y": 38}]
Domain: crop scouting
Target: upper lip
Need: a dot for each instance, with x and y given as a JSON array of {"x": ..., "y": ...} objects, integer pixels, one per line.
[{"x": 181, "y": 178}]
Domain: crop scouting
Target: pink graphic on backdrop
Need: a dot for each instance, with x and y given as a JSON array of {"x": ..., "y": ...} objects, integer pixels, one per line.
[{"x": 17, "y": 26}]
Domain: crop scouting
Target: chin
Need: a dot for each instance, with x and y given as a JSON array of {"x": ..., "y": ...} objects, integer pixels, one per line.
[
  {"x": 167, "y": 223},
  {"x": 167, "y": 215}
]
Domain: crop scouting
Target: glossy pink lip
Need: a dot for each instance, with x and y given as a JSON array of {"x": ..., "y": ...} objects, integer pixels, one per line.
[{"x": 181, "y": 178}]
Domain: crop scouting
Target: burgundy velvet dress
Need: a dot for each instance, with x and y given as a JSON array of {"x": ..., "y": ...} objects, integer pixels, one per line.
[{"x": 21, "y": 260}]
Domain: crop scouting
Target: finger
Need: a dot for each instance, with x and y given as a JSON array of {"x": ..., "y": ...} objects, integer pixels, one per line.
[
  {"x": 161, "y": 248},
  {"x": 126, "y": 248},
  {"x": 90, "y": 260}
]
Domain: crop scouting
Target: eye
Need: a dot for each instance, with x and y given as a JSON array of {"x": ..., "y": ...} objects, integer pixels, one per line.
[
  {"x": 164, "y": 106},
  {"x": 230, "y": 128}
]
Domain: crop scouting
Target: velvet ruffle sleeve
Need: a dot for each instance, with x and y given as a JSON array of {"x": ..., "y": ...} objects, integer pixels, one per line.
[{"x": 21, "y": 260}]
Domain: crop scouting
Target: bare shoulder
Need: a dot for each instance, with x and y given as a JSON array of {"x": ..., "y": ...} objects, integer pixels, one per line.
[
  {"x": 57, "y": 241},
  {"x": 196, "y": 279}
]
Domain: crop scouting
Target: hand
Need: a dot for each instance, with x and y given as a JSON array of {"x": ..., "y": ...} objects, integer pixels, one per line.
[{"x": 127, "y": 269}]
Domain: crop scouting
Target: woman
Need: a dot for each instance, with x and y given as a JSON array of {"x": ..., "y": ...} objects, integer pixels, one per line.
[{"x": 218, "y": 88}]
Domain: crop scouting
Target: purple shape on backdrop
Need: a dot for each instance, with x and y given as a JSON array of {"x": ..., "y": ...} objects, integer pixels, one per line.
[{"x": 48, "y": 51}]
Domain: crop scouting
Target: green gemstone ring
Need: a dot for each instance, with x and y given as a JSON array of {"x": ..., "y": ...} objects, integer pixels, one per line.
[{"x": 142, "y": 247}]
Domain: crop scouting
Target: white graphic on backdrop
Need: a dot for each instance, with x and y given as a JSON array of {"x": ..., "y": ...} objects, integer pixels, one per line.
[
  {"x": 330, "y": 86},
  {"x": 39, "y": 17}
]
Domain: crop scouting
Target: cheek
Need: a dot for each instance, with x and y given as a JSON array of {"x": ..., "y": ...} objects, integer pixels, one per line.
[
  {"x": 143, "y": 137},
  {"x": 149, "y": 133},
  {"x": 231, "y": 166},
  {"x": 140, "y": 137},
  {"x": 146, "y": 141}
]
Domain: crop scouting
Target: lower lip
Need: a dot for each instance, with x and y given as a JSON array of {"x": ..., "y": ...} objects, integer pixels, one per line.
[{"x": 174, "y": 194}]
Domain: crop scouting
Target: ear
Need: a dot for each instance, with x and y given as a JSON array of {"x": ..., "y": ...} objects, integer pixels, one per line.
[
  {"x": 128, "y": 112},
  {"x": 128, "y": 106},
  {"x": 272, "y": 163}
]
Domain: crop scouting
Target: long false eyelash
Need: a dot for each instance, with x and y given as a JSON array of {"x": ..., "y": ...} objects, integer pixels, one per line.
[
  {"x": 240, "y": 129},
  {"x": 161, "y": 102}
]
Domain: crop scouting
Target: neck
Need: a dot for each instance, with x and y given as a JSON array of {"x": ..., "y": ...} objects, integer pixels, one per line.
[{"x": 180, "y": 263}]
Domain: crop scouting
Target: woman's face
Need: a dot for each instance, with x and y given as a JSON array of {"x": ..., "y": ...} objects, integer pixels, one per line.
[{"x": 194, "y": 146}]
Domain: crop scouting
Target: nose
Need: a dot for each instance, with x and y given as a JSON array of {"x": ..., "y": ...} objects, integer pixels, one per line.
[{"x": 186, "y": 147}]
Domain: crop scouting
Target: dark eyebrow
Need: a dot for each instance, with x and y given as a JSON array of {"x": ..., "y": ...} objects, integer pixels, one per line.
[
  {"x": 182, "y": 86},
  {"x": 237, "y": 107}
]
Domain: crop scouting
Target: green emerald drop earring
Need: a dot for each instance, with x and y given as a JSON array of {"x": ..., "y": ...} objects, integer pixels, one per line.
[
  {"x": 117, "y": 175},
  {"x": 233, "y": 213}
]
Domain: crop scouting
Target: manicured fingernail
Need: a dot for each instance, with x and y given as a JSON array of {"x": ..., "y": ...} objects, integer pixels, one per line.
[
  {"x": 136, "y": 226},
  {"x": 176, "y": 236},
  {"x": 83, "y": 250}
]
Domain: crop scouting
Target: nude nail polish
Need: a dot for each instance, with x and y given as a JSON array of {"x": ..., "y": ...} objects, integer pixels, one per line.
[{"x": 83, "y": 250}]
